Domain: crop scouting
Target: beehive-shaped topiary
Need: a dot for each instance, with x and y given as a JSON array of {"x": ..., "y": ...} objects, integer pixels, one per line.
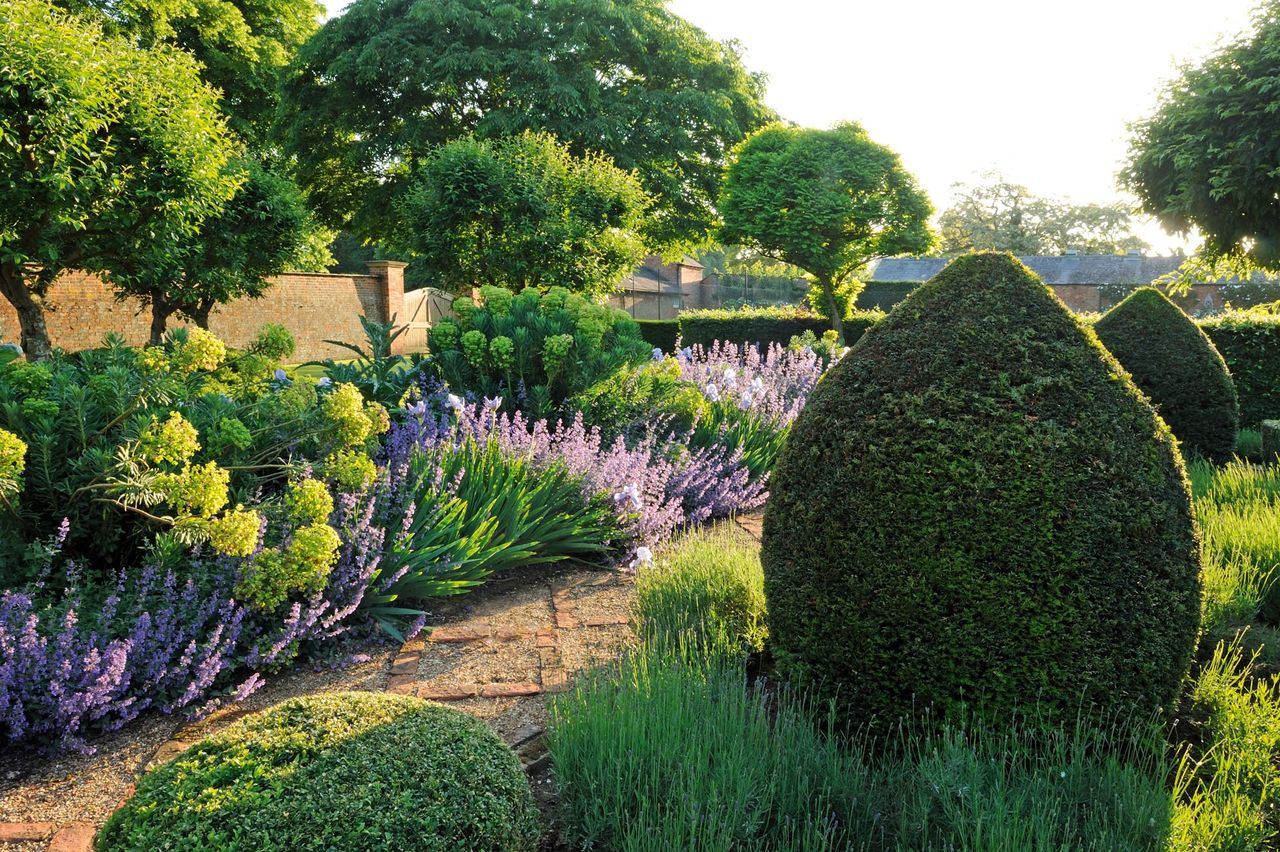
[
  {"x": 345, "y": 770},
  {"x": 977, "y": 512},
  {"x": 1178, "y": 367}
]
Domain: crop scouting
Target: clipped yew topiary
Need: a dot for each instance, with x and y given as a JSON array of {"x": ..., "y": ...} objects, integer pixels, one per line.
[
  {"x": 1177, "y": 366},
  {"x": 977, "y": 513},
  {"x": 345, "y": 770}
]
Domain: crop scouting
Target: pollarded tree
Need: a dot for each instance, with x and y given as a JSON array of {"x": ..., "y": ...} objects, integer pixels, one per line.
[
  {"x": 827, "y": 201},
  {"x": 1175, "y": 364},
  {"x": 381, "y": 86},
  {"x": 1011, "y": 529},
  {"x": 523, "y": 212},
  {"x": 261, "y": 231},
  {"x": 1209, "y": 157},
  {"x": 101, "y": 145}
]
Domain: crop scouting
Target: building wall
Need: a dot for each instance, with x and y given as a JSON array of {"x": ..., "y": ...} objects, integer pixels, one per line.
[{"x": 314, "y": 306}]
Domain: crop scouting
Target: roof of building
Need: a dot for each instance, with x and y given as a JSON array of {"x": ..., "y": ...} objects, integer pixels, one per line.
[{"x": 1053, "y": 269}]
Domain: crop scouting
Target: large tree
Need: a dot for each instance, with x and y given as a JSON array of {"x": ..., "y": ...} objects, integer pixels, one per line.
[
  {"x": 998, "y": 215},
  {"x": 242, "y": 46},
  {"x": 379, "y": 88},
  {"x": 101, "y": 145},
  {"x": 827, "y": 201},
  {"x": 261, "y": 231},
  {"x": 1209, "y": 156},
  {"x": 523, "y": 212}
]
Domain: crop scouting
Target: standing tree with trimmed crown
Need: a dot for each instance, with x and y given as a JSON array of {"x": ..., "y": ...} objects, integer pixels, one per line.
[
  {"x": 827, "y": 201},
  {"x": 101, "y": 145}
]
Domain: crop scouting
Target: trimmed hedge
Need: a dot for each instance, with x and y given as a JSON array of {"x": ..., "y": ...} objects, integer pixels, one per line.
[
  {"x": 1249, "y": 342},
  {"x": 883, "y": 295},
  {"x": 977, "y": 512},
  {"x": 346, "y": 770},
  {"x": 1175, "y": 364},
  {"x": 763, "y": 326},
  {"x": 660, "y": 333}
]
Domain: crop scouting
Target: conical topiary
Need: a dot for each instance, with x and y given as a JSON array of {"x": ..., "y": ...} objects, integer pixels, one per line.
[
  {"x": 977, "y": 508},
  {"x": 1178, "y": 367}
]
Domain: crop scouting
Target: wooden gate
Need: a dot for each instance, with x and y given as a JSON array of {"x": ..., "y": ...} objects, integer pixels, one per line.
[{"x": 422, "y": 309}]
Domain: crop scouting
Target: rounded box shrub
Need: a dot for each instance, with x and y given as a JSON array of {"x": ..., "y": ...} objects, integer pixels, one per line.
[
  {"x": 977, "y": 513},
  {"x": 345, "y": 770},
  {"x": 1177, "y": 366}
]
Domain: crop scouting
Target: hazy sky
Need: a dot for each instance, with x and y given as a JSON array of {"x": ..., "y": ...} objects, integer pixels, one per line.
[{"x": 1040, "y": 91}]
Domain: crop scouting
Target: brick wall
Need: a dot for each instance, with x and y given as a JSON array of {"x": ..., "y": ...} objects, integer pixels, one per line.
[{"x": 314, "y": 306}]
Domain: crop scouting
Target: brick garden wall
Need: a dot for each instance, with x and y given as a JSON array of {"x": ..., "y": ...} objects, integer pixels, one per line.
[{"x": 314, "y": 306}]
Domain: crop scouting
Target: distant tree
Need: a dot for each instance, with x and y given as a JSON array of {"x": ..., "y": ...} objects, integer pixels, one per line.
[
  {"x": 998, "y": 215},
  {"x": 102, "y": 145},
  {"x": 384, "y": 84},
  {"x": 1209, "y": 157},
  {"x": 827, "y": 201},
  {"x": 261, "y": 231},
  {"x": 242, "y": 46},
  {"x": 523, "y": 212}
]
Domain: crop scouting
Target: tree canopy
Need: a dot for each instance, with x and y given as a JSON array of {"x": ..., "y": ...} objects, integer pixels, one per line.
[
  {"x": 242, "y": 46},
  {"x": 379, "y": 88},
  {"x": 523, "y": 212},
  {"x": 261, "y": 231},
  {"x": 101, "y": 145},
  {"x": 999, "y": 215},
  {"x": 827, "y": 201},
  {"x": 1208, "y": 158}
]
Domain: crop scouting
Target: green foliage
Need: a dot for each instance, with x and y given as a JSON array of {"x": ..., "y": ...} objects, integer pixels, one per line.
[
  {"x": 137, "y": 445},
  {"x": 261, "y": 231},
  {"x": 979, "y": 502},
  {"x": 1003, "y": 216},
  {"x": 478, "y": 510},
  {"x": 523, "y": 211},
  {"x": 1250, "y": 344},
  {"x": 763, "y": 326},
  {"x": 826, "y": 201},
  {"x": 660, "y": 334},
  {"x": 883, "y": 295},
  {"x": 115, "y": 145},
  {"x": 346, "y": 770},
  {"x": 634, "y": 397},
  {"x": 1207, "y": 158},
  {"x": 705, "y": 593},
  {"x": 1175, "y": 364},
  {"x": 302, "y": 565},
  {"x": 668, "y": 751},
  {"x": 560, "y": 344},
  {"x": 632, "y": 81},
  {"x": 726, "y": 424},
  {"x": 380, "y": 375}
]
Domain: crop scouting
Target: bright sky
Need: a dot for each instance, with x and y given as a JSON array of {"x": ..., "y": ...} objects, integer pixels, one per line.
[{"x": 1039, "y": 91}]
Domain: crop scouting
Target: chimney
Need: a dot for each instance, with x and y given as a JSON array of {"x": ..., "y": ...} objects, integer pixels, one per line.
[
  {"x": 1133, "y": 253},
  {"x": 1072, "y": 252}
]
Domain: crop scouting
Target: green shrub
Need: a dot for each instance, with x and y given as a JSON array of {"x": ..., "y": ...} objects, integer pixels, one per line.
[
  {"x": 162, "y": 444},
  {"x": 1175, "y": 364},
  {"x": 547, "y": 346},
  {"x": 662, "y": 753},
  {"x": 706, "y": 592},
  {"x": 1250, "y": 344},
  {"x": 883, "y": 295},
  {"x": 661, "y": 334},
  {"x": 635, "y": 396},
  {"x": 763, "y": 326},
  {"x": 977, "y": 506},
  {"x": 347, "y": 770}
]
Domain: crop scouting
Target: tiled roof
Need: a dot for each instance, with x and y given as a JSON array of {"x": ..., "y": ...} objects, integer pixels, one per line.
[{"x": 1053, "y": 269}]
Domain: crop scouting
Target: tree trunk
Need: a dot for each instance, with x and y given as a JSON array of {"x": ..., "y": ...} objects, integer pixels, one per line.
[
  {"x": 837, "y": 317},
  {"x": 30, "y": 308},
  {"x": 200, "y": 314},
  {"x": 160, "y": 313}
]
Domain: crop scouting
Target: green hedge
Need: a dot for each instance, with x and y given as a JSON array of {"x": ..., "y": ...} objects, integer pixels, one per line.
[
  {"x": 1250, "y": 344},
  {"x": 763, "y": 326},
  {"x": 883, "y": 295},
  {"x": 343, "y": 770},
  {"x": 1013, "y": 527},
  {"x": 660, "y": 333}
]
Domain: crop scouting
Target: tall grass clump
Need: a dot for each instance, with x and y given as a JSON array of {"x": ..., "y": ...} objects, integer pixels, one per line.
[{"x": 707, "y": 593}]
